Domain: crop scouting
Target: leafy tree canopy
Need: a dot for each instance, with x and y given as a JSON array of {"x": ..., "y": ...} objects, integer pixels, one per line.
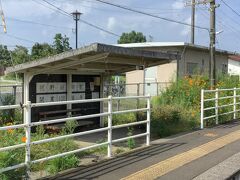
[
  {"x": 61, "y": 43},
  {"x": 20, "y": 55},
  {"x": 5, "y": 57},
  {"x": 42, "y": 50},
  {"x": 132, "y": 37}
]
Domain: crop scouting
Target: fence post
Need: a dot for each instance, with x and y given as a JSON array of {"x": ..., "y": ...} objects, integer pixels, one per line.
[
  {"x": 15, "y": 93},
  {"x": 138, "y": 94},
  {"x": 148, "y": 119},
  {"x": 202, "y": 108},
  {"x": 110, "y": 126},
  {"x": 28, "y": 139},
  {"x": 118, "y": 101},
  {"x": 216, "y": 105},
  {"x": 157, "y": 89},
  {"x": 234, "y": 103}
]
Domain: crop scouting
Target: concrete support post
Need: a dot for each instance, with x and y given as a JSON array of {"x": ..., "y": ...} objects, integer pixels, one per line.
[
  {"x": 110, "y": 126},
  {"x": 69, "y": 93},
  {"x": 102, "y": 79}
]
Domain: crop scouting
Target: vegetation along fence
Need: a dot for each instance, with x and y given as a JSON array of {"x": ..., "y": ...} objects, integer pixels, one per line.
[
  {"x": 10, "y": 91},
  {"x": 28, "y": 141},
  {"x": 133, "y": 89},
  {"x": 219, "y": 105}
]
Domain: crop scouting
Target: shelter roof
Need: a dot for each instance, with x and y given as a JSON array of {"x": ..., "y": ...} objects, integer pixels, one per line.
[{"x": 95, "y": 59}]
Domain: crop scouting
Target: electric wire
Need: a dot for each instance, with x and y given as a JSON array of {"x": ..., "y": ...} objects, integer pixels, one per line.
[
  {"x": 226, "y": 4},
  {"x": 150, "y": 15},
  {"x": 83, "y": 21}
]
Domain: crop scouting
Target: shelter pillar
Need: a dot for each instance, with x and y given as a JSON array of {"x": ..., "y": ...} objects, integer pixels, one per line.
[
  {"x": 102, "y": 79},
  {"x": 26, "y": 81},
  {"x": 69, "y": 92}
]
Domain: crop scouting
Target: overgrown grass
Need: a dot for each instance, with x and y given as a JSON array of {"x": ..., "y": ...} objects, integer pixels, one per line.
[
  {"x": 177, "y": 109},
  {"x": 14, "y": 157}
]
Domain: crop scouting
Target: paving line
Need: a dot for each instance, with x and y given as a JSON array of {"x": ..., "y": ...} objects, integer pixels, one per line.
[{"x": 179, "y": 160}]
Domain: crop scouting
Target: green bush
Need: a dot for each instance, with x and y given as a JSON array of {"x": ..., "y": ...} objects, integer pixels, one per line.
[
  {"x": 118, "y": 119},
  {"x": 177, "y": 109},
  {"x": 168, "y": 120},
  {"x": 11, "y": 157},
  {"x": 14, "y": 157},
  {"x": 6, "y": 116}
]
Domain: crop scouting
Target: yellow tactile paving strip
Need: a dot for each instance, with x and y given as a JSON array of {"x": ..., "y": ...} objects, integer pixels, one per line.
[{"x": 179, "y": 160}]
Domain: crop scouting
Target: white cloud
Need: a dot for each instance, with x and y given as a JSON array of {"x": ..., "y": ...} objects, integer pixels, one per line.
[
  {"x": 178, "y": 4},
  {"x": 31, "y": 9},
  {"x": 111, "y": 23}
]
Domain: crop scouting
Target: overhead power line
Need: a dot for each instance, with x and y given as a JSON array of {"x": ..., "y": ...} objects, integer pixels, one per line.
[
  {"x": 63, "y": 12},
  {"x": 16, "y": 37},
  {"x": 237, "y": 13},
  {"x": 149, "y": 14},
  {"x": 37, "y": 23}
]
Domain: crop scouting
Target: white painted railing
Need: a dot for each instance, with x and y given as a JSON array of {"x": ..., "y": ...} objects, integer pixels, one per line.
[
  {"x": 215, "y": 97},
  {"x": 28, "y": 125}
]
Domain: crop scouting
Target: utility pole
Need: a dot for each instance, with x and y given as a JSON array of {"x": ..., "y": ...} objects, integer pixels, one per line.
[
  {"x": 3, "y": 18},
  {"x": 212, "y": 34},
  {"x": 76, "y": 17},
  {"x": 212, "y": 64},
  {"x": 193, "y": 22}
]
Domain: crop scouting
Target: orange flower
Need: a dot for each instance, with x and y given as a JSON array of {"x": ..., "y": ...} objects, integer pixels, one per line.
[
  {"x": 190, "y": 82},
  {"x": 24, "y": 139}
]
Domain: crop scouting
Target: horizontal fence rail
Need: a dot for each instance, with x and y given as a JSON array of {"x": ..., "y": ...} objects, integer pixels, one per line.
[
  {"x": 213, "y": 98},
  {"x": 27, "y": 125}
]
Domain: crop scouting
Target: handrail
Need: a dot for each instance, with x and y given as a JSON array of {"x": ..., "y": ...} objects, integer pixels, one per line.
[
  {"x": 216, "y": 107},
  {"x": 28, "y": 125}
]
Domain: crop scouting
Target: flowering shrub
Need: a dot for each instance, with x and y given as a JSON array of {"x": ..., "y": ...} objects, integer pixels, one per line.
[
  {"x": 12, "y": 137},
  {"x": 184, "y": 97}
]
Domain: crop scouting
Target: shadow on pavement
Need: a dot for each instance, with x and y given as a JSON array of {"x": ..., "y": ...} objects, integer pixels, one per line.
[
  {"x": 95, "y": 170},
  {"x": 230, "y": 124}
]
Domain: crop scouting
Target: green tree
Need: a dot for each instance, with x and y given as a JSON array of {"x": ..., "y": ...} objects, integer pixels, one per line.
[
  {"x": 20, "y": 55},
  {"x": 61, "y": 43},
  {"x": 5, "y": 57},
  {"x": 42, "y": 50},
  {"x": 132, "y": 37}
]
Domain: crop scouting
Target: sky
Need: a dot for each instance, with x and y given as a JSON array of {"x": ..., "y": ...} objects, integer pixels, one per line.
[{"x": 116, "y": 20}]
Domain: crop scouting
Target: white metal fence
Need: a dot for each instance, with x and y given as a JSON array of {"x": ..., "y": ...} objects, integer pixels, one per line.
[
  {"x": 135, "y": 89},
  {"x": 14, "y": 90},
  {"x": 219, "y": 103},
  {"x": 27, "y": 125}
]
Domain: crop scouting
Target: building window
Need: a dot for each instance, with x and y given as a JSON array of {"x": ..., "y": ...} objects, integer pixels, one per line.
[
  {"x": 192, "y": 68},
  {"x": 224, "y": 69}
]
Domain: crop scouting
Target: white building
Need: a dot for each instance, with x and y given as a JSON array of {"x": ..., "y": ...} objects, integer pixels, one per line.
[
  {"x": 193, "y": 59},
  {"x": 234, "y": 65}
]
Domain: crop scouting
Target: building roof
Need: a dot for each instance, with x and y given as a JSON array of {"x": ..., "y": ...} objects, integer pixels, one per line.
[
  {"x": 172, "y": 44},
  {"x": 95, "y": 59},
  {"x": 235, "y": 58}
]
